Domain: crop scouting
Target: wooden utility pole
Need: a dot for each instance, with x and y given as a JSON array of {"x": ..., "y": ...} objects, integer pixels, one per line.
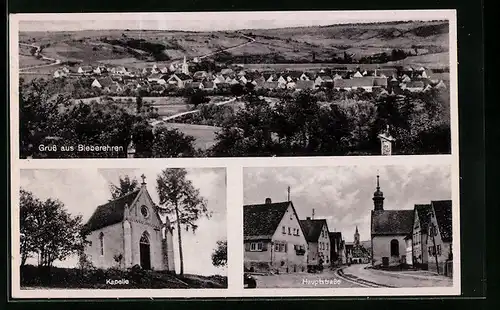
[{"x": 434, "y": 233}]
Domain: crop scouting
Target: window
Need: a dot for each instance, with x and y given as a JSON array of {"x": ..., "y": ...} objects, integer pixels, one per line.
[
  {"x": 438, "y": 249},
  {"x": 283, "y": 230},
  {"x": 431, "y": 251},
  {"x": 394, "y": 247},
  {"x": 280, "y": 247},
  {"x": 256, "y": 246},
  {"x": 327, "y": 246},
  {"x": 101, "y": 243},
  {"x": 144, "y": 211},
  {"x": 289, "y": 231}
]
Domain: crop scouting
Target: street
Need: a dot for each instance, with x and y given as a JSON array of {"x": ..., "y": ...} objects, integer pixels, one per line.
[
  {"x": 353, "y": 276},
  {"x": 406, "y": 278}
]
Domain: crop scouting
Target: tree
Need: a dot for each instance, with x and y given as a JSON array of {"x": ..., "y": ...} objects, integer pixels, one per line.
[
  {"x": 48, "y": 230},
  {"x": 125, "y": 186},
  {"x": 172, "y": 143},
  {"x": 178, "y": 197},
  {"x": 28, "y": 206},
  {"x": 197, "y": 98},
  {"x": 237, "y": 90},
  {"x": 219, "y": 255},
  {"x": 143, "y": 138},
  {"x": 138, "y": 104}
]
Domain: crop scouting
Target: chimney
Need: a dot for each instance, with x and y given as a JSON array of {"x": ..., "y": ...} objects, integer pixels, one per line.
[
  {"x": 308, "y": 218},
  {"x": 268, "y": 201},
  {"x": 313, "y": 215}
]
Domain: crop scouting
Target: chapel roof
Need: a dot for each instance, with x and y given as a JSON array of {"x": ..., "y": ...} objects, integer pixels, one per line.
[{"x": 111, "y": 212}]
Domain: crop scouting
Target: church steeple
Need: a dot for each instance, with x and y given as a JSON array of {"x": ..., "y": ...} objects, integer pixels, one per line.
[
  {"x": 356, "y": 236},
  {"x": 378, "y": 198},
  {"x": 185, "y": 67}
]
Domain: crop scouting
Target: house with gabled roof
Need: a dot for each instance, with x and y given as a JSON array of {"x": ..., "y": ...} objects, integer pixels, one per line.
[
  {"x": 104, "y": 83},
  {"x": 180, "y": 80},
  {"x": 85, "y": 70},
  {"x": 440, "y": 235},
  {"x": 422, "y": 216},
  {"x": 351, "y": 84},
  {"x": 129, "y": 231},
  {"x": 318, "y": 242},
  {"x": 336, "y": 248},
  {"x": 273, "y": 238},
  {"x": 413, "y": 86},
  {"x": 303, "y": 85}
]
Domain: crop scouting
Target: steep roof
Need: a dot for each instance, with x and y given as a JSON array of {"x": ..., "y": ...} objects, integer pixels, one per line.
[
  {"x": 392, "y": 222},
  {"x": 106, "y": 82},
  {"x": 260, "y": 221},
  {"x": 312, "y": 229},
  {"x": 183, "y": 77},
  {"x": 356, "y": 82},
  {"x": 111, "y": 212},
  {"x": 424, "y": 215},
  {"x": 304, "y": 84},
  {"x": 442, "y": 209}
]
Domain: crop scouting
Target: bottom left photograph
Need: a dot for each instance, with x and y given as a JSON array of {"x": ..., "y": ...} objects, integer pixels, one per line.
[{"x": 122, "y": 228}]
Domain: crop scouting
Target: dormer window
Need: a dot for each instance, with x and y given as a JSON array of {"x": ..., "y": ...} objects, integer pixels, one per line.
[{"x": 144, "y": 211}]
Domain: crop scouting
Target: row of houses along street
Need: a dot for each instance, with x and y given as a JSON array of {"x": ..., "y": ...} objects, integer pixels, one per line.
[
  {"x": 162, "y": 79},
  {"x": 407, "y": 247}
]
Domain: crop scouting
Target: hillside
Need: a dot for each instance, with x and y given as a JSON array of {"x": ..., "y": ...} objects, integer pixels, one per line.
[{"x": 282, "y": 45}]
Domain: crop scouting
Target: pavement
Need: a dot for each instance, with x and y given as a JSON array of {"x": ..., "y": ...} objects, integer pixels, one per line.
[
  {"x": 326, "y": 279},
  {"x": 398, "y": 278}
]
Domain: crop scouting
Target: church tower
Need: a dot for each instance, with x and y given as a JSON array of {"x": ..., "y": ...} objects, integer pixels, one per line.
[
  {"x": 378, "y": 198},
  {"x": 356, "y": 237},
  {"x": 185, "y": 67}
]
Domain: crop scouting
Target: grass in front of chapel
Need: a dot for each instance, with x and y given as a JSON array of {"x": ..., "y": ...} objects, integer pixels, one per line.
[{"x": 132, "y": 278}]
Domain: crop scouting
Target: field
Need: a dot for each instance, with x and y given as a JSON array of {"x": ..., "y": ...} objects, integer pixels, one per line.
[
  {"x": 30, "y": 61},
  {"x": 204, "y": 135},
  {"x": 166, "y": 106},
  {"x": 429, "y": 40},
  {"x": 436, "y": 60},
  {"x": 87, "y": 46}
]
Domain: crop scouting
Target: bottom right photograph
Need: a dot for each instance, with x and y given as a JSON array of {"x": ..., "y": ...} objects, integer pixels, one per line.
[{"x": 348, "y": 226}]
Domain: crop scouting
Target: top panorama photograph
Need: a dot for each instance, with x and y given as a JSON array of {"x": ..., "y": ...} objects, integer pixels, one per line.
[{"x": 234, "y": 85}]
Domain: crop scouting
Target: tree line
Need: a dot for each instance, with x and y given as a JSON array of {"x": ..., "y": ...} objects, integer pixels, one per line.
[{"x": 302, "y": 123}]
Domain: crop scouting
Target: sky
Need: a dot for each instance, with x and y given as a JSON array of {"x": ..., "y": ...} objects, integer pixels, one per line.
[
  {"x": 82, "y": 190},
  {"x": 212, "y": 21},
  {"x": 343, "y": 195}
]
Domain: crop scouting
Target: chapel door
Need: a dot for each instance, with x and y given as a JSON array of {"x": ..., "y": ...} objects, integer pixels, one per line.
[{"x": 145, "y": 251}]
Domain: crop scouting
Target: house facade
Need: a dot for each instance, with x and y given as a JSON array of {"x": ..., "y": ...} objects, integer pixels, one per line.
[
  {"x": 128, "y": 231},
  {"x": 336, "y": 249},
  {"x": 389, "y": 228},
  {"x": 273, "y": 238},
  {"x": 439, "y": 239},
  {"x": 318, "y": 242},
  {"x": 419, "y": 235}
]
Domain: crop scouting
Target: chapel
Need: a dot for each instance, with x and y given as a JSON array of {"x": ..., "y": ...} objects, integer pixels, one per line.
[{"x": 129, "y": 231}]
